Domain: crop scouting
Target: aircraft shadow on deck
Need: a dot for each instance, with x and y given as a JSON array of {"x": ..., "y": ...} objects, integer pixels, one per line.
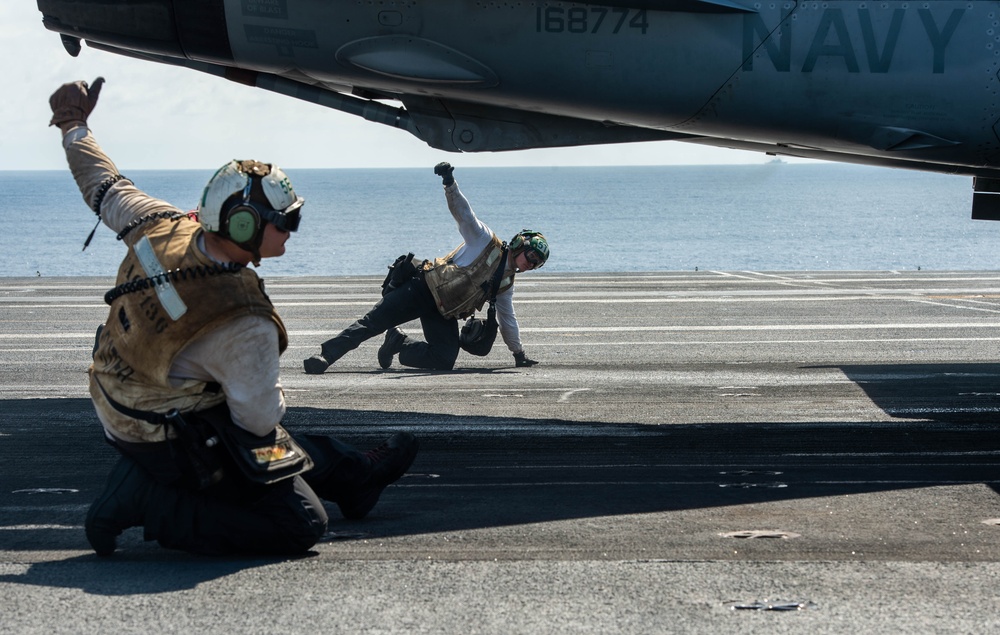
[
  {"x": 947, "y": 393},
  {"x": 482, "y": 471}
]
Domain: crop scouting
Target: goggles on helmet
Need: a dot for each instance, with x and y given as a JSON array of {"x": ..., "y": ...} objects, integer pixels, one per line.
[
  {"x": 287, "y": 220},
  {"x": 532, "y": 257}
]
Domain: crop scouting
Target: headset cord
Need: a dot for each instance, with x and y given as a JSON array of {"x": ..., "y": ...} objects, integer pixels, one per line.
[
  {"x": 174, "y": 216},
  {"x": 174, "y": 275}
]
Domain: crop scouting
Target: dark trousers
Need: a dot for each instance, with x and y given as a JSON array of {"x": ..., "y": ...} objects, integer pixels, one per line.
[
  {"x": 236, "y": 515},
  {"x": 410, "y": 302}
]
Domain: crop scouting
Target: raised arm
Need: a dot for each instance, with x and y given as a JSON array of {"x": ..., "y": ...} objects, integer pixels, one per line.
[
  {"x": 475, "y": 233},
  {"x": 105, "y": 190}
]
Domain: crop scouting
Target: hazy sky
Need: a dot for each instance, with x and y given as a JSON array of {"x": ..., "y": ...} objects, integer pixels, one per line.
[{"x": 153, "y": 116}]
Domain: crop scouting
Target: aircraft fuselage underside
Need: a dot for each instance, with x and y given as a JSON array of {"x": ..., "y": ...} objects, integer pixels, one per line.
[{"x": 900, "y": 84}]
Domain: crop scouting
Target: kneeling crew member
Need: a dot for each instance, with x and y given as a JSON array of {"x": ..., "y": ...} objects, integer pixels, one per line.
[{"x": 185, "y": 373}]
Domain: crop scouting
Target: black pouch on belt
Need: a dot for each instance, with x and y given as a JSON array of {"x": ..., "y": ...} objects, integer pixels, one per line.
[
  {"x": 400, "y": 272},
  {"x": 262, "y": 460}
]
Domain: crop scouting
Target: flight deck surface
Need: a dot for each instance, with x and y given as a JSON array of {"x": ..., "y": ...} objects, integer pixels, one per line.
[{"x": 695, "y": 452}]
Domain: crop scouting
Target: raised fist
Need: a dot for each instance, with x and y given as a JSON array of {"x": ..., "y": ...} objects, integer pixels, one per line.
[
  {"x": 444, "y": 170},
  {"x": 74, "y": 102}
]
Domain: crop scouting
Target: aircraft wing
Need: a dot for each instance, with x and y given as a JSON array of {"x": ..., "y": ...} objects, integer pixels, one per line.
[{"x": 892, "y": 83}]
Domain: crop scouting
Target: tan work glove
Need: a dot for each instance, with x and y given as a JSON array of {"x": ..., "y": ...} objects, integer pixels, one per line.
[{"x": 73, "y": 102}]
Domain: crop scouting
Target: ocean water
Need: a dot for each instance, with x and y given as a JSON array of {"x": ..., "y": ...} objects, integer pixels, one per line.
[{"x": 767, "y": 217}]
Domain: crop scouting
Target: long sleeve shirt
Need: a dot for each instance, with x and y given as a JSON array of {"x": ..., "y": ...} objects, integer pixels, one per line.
[{"x": 477, "y": 236}]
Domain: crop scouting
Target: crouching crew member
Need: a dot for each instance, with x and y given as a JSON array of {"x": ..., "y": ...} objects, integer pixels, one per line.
[{"x": 442, "y": 291}]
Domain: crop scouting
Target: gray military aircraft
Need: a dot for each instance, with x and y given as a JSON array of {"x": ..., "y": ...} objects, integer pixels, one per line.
[{"x": 910, "y": 84}]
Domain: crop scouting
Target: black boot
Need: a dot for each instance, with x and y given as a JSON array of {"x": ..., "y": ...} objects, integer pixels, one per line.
[
  {"x": 330, "y": 352},
  {"x": 122, "y": 505},
  {"x": 388, "y": 463},
  {"x": 394, "y": 339},
  {"x": 315, "y": 365}
]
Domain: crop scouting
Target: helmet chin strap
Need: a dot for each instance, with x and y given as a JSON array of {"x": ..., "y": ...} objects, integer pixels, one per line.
[
  {"x": 513, "y": 260},
  {"x": 254, "y": 246}
]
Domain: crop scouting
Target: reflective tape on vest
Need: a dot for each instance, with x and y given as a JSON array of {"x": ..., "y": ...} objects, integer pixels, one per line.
[{"x": 165, "y": 291}]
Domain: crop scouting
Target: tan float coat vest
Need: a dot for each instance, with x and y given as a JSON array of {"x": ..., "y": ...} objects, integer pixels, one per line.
[
  {"x": 461, "y": 291},
  {"x": 141, "y": 338}
]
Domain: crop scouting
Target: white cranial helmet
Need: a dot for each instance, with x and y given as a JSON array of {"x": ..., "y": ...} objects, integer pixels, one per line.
[{"x": 242, "y": 196}]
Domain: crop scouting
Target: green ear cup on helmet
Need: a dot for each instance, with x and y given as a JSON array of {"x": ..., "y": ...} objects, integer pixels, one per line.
[{"x": 241, "y": 224}]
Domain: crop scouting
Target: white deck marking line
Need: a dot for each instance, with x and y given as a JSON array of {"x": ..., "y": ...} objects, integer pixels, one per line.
[{"x": 569, "y": 393}]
